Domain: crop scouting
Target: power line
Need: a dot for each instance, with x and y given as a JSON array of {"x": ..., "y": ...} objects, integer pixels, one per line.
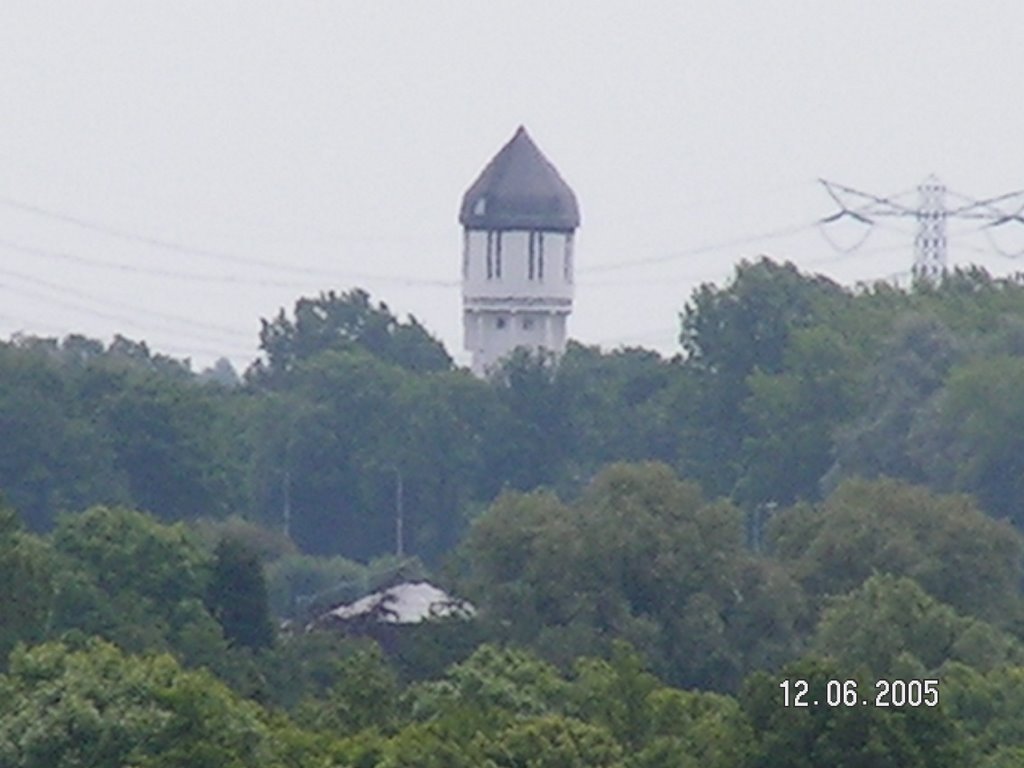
[
  {"x": 698, "y": 250},
  {"x": 223, "y": 329},
  {"x": 127, "y": 320},
  {"x": 181, "y": 248},
  {"x": 654, "y": 334},
  {"x": 931, "y": 213},
  {"x": 135, "y": 269},
  {"x": 843, "y": 255}
]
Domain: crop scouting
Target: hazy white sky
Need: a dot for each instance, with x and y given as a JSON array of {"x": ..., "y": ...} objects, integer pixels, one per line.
[{"x": 293, "y": 147}]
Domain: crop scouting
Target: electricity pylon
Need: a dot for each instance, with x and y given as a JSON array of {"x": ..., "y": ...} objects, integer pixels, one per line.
[{"x": 931, "y": 213}]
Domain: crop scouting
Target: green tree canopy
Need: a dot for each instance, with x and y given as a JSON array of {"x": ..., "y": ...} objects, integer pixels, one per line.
[
  {"x": 946, "y": 544},
  {"x": 334, "y": 321},
  {"x": 640, "y": 556},
  {"x": 95, "y": 706},
  {"x": 27, "y": 566},
  {"x": 843, "y": 736},
  {"x": 237, "y": 595},
  {"x": 971, "y": 438},
  {"x": 893, "y": 628},
  {"x": 730, "y": 333}
]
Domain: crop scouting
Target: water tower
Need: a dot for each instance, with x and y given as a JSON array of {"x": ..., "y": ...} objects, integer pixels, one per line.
[{"x": 519, "y": 218}]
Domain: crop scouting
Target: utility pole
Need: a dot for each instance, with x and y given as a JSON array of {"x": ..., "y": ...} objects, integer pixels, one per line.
[
  {"x": 399, "y": 515},
  {"x": 286, "y": 494}
]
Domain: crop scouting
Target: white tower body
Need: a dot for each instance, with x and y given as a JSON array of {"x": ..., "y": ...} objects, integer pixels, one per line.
[{"x": 519, "y": 218}]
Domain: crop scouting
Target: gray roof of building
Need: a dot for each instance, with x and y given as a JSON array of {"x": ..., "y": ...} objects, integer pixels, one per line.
[
  {"x": 404, "y": 603},
  {"x": 520, "y": 189}
]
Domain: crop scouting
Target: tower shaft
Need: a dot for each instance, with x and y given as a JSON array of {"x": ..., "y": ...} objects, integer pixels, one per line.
[{"x": 930, "y": 242}]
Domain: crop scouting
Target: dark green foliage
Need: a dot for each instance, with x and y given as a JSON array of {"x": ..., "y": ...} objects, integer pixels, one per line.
[
  {"x": 792, "y": 417},
  {"x": 343, "y": 322},
  {"x": 851, "y": 737},
  {"x": 298, "y": 584},
  {"x": 124, "y": 550},
  {"x": 611, "y": 407},
  {"x": 237, "y": 595},
  {"x": 98, "y": 707},
  {"x": 555, "y": 742},
  {"x": 352, "y": 435},
  {"x": 730, "y": 334},
  {"x": 642, "y": 557},
  {"x": 987, "y": 706},
  {"x": 175, "y": 439},
  {"x": 492, "y": 680},
  {"x": 27, "y": 574},
  {"x": 909, "y": 370},
  {"x": 972, "y": 438},
  {"x": 892, "y": 628},
  {"x": 620, "y": 576},
  {"x": 53, "y": 457},
  {"x": 956, "y": 553},
  {"x": 123, "y": 576},
  {"x": 364, "y": 695},
  {"x": 788, "y": 384},
  {"x": 85, "y": 424}
]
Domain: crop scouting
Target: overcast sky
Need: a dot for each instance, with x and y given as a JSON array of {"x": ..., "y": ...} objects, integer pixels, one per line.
[{"x": 288, "y": 148}]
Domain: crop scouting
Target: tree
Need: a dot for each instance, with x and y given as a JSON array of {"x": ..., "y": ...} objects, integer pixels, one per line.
[
  {"x": 344, "y": 321},
  {"x": 294, "y": 582},
  {"x": 125, "y": 551},
  {"x": 237, "y": 596},
  {"x": 910, "y": 369},
  {"x": 172, "y": 439},
  {"x": 793, "y": 415},
  {"x": 615, "y": 407},
  {"x": 641, "y": 556},
  {"x": 328, "y": 442},
  {"x": 528, "y": 444},
  {"x": 124, "y": 576},
  {"x": 843, "y": 736},
  {"x": 986, "y": 705},
  {"x": 26, "y": 571},
  {"x": 970, "y": 439},
  {"x": 440, "y": 455},
  {"x": 51, "y": 459},
  {"x": 694, "y": 728},
  {"x": 554, "y": 741},
  {"x": 731, "y": 333},
  {"x": 94, "y": 705},
  {"x": 891, "y": 627},
  {"x": 364, "y": 695},
  {"x": 946, "y": 544},
  {"x": 515, "y": 556},
  {"x": 616, "y": 693}
]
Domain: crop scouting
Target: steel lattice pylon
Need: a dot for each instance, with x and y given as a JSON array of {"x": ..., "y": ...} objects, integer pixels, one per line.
[
  {"x": 932, "y": 214},
  {"x": 930, "y": 242}
]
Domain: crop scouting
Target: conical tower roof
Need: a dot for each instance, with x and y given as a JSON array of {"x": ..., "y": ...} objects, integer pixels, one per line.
[{"x": 520, "y": 189}]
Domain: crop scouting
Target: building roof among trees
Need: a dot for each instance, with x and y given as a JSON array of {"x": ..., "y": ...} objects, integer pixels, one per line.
[
  {"x": 520, "y": 189},
  {"x": 405, "y": 603}
]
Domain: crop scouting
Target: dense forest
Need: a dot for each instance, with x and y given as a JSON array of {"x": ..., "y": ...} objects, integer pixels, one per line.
[{"x": 825, "y": 484}]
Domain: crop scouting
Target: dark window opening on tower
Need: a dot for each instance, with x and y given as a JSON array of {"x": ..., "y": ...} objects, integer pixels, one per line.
[
  {"x": 497, "y": 255},
  {"x": 531, "y": 264},
  {"x": 567, "y": 263},
  {"x": 540, "y": 256},
  {"x": 500, "y": 323},
  {"x": 490, "y": 255},
  {"x": 535, "y": 262}
]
